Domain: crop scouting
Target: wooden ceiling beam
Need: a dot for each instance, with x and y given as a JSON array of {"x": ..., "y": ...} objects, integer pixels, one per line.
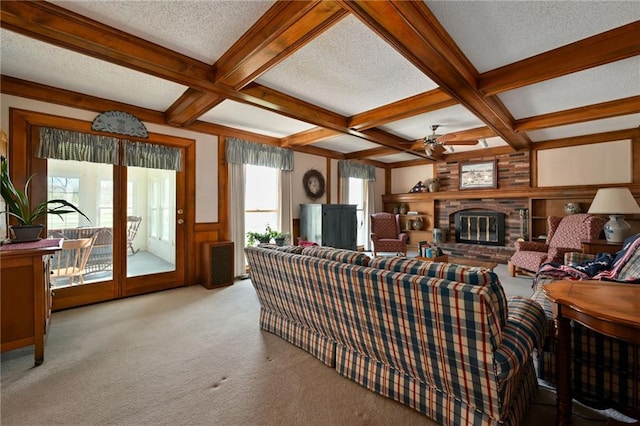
[
  {"x": 610, "y": 46},
  {"x": 414, "y": 32},
  {"x": 309, "y": 137},
  {"x": 282, "y": 30},
  {"x": 191, "y": 105},
  {"x": 630, "y": 105},
  {"x": 419, "y": 104},
  {"x": 373, "y": 152}
]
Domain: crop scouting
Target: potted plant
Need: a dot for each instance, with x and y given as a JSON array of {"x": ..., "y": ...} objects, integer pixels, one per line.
[
  {"x": 261, "y": 237},
  {"x": 17, "y": 205},
  {"x": 280, "y": 238}
]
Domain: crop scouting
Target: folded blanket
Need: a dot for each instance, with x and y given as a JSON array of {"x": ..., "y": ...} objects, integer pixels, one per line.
[{"x": 603, "y": 267}]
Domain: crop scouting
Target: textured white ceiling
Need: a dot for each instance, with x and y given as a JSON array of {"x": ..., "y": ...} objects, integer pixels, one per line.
[
  {"x": 346, "y": 143},
  {"x": 600, "y": 84},
  {"x": 29, "y": 59},
  {"x": 598, "y": 126},
  {"x": 394, "y": 158},
  {"x": 451, "y": 119},
  {"x": 202, "y": 30},
  {"x": 496, "y": 33},
  {"x": 347, "y": 69},
  {"x": 254, "y": 119}
]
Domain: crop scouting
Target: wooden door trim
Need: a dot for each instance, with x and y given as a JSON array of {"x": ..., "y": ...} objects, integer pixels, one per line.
[{"x": 22, "y": 144}]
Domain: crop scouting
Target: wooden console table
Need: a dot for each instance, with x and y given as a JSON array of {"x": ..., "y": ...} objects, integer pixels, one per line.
[
  {"x": 25, "y": 294},
  {"x": 608, "y": 308},
  {"x": 600, "y": 246}
]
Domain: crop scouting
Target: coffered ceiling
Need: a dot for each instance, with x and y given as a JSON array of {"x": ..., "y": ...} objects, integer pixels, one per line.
[{"x": 344, "y": 79}]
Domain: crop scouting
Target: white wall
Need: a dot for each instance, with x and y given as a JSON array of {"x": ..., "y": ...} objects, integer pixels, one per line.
[
  {"x": 206, "y": 149},
  {"x": 404, "y": 178},
  {"x": 301, "y": 164},
  {"x": 600, "y": 163},
  {"x": 379, "y": 189}
]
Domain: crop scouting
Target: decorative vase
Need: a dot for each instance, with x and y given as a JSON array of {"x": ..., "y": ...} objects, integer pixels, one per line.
[
  {"x": 572, "y": 208},
  {"x": 434, "y": 186},
  {"x": 280, "y": 241},
  {"x": 418, "y": 224},
  {"x": 396, "y": 209},
  {"x": 403, "y": 208},
  {"x": 438, "y": 235},
  {"x": 26, "y": 233}
]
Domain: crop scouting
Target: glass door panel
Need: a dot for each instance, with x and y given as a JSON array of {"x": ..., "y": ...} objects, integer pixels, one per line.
[
  {"x": 87, "y": 250},
  {"x": 151, "y": 221}
]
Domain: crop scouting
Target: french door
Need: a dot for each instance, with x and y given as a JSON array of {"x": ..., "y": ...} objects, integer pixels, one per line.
[
  {"x": 138, "y": 217},
  {"x": 135, "y": 227}
]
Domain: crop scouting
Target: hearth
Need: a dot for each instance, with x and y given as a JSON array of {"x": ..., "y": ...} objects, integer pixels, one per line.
[{"x": 480, "y": 227}]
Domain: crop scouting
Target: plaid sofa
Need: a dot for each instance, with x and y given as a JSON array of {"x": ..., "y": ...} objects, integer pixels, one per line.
[
  {"x": 605, "y": 371},
  {"x": 440, "y": 338}
]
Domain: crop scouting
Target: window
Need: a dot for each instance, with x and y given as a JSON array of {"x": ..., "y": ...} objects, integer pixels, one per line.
[
  {"x": 356, "y": 196},
  {"x": 261, "y": 198},
  {"x": 63, "y": 188}
]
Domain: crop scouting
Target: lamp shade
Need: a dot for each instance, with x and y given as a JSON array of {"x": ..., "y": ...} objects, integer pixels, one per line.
[{"x": 614, "y": 201}]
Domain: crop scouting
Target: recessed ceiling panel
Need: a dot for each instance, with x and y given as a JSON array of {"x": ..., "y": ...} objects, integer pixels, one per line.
[
  {"x": 394, "y": 158},
  {"x": 496, "y": 33},
  {"x": 348, "y": 69},
  {"x": 631, "y": 121},
  {"x": 608, "y": 82},
  {"x": 346, "y": 144},
  {"x": 254, "y": 119},
  {"x": 452, "y": 119},
  {"x": 202, "y": 30},
  {"x": 39, "y": 62}
]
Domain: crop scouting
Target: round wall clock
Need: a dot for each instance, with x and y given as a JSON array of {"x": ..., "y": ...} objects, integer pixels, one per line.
[{"x": 313, "y": 183}]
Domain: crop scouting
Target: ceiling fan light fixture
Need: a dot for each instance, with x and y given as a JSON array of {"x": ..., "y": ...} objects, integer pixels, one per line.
[
  {"x": 450, "y": 149},
  {"x": 427, "y": 151},
  {"x": 483, "y": 143}
]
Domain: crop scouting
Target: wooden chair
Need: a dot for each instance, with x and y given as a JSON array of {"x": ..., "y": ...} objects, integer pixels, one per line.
[
  {"x": 133, "y": 223},
  {"x": 72, "y": 259}
]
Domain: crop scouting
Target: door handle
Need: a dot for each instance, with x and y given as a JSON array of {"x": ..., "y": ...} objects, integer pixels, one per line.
[
  {"x": 180, "y": 211},
  {"x": 180, "y": 221}
]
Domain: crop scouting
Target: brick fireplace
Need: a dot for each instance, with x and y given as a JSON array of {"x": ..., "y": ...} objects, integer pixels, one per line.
[{"x": 500, "y": 251}]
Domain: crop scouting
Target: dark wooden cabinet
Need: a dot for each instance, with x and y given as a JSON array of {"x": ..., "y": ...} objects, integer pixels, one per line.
[
  {"x": 25, "y": 295},
  {"x": 331, "y": 225}
]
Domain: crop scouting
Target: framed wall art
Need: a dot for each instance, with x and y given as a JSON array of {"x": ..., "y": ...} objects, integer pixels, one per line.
[{"x": 478, "y": 175}]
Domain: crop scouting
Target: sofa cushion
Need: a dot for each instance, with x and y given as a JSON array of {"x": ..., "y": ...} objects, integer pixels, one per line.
[
  {"x": 339, "y": 255},
  {"x": 451, "y": 272}
]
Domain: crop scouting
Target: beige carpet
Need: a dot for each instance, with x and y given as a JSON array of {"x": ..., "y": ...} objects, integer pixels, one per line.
[{"x": 192, "y": 356}]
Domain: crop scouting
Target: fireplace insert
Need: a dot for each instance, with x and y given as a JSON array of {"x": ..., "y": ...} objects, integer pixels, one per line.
[{"x": 480, "y": 227}]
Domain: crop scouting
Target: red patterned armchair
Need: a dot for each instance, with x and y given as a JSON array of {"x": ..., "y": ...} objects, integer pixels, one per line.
[
  {"x": 565, "y": 235},
  {"x": 386, "y": 235}
]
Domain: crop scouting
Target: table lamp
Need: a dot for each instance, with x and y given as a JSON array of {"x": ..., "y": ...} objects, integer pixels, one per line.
[{"x": 615, "y": 202}]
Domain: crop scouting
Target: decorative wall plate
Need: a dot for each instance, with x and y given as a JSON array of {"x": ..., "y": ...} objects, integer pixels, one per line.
[
  {"x": 313, "y": 183},
  {"x": 119, "y": 122}
]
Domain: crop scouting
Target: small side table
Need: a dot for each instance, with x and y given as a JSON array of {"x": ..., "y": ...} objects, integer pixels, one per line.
[
  {"x": 607, "y": 308},
  {"x": 600, "y": 246}
]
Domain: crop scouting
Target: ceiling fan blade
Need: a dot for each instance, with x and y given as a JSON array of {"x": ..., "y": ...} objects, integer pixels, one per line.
[{"x": 469, "y": 142}]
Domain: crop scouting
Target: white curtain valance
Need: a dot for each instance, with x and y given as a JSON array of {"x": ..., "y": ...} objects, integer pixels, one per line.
[
  {"x": 69, "y": 145},
  {"x": 350, "y": 169},
  {"x": 240, "y": 151}
]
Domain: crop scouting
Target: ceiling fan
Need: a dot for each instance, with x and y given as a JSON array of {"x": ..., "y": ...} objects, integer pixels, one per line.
[{"x": 435, "y": 142}]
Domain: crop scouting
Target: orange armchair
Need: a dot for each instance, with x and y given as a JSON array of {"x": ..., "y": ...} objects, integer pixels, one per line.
[
  {"x": 386, "y": 235},
  {"x": 565, "y": 235}
]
